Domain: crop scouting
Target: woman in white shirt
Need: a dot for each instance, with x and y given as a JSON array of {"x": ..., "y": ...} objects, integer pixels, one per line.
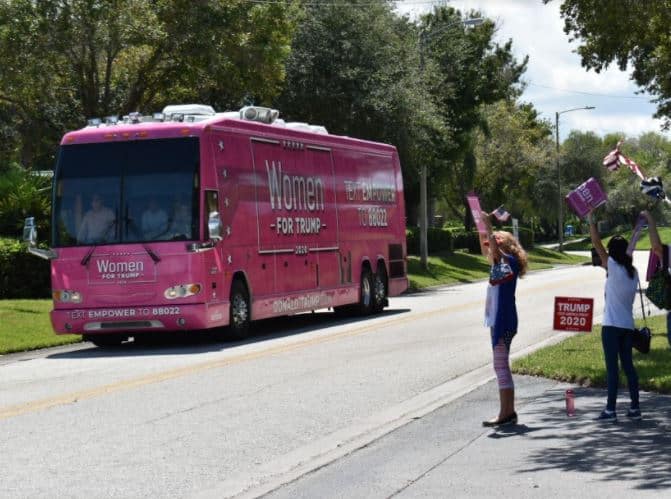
[{"x": 618, "y": 320}]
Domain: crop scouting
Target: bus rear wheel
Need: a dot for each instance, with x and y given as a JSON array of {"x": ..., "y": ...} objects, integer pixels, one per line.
[
  {"x": 366, "y": 292},
  {"x": 240, "y": 312},
  {"x": 380, "y": 289}
]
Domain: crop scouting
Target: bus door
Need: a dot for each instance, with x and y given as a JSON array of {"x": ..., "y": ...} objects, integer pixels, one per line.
[
  {"x": 324, "y": 245},
  {"x": 292, "y": 195}
]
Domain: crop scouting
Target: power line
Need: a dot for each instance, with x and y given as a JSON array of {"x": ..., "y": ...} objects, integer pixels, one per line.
[
  {"x": 589, "y": 93},
  {"x": 316, "y": 3}
]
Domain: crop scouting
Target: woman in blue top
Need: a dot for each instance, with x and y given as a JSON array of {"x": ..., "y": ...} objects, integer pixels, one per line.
[
  {"x": 618, "y": 319},
  {"x": 509, "y": 261}
]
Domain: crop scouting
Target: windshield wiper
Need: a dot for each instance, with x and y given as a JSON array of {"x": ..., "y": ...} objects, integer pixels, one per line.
[
  {"x": 153, "y": 255},
  {"x": 85, "y": 260},
  {"x": 131, "y": 223}
]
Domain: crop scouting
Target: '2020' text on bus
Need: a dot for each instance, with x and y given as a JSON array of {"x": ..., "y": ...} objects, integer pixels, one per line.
[{"x": 191, "y": 220}]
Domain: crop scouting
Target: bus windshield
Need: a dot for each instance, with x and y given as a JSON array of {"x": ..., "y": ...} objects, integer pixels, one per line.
[{"x": 122, "y": 192}]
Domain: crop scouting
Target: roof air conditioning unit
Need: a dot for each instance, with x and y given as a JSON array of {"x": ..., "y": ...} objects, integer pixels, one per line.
[{"x": 260, "y": 114}]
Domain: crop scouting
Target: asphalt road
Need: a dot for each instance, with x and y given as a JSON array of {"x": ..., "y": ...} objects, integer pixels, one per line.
[{"x": 205, "y": 419}]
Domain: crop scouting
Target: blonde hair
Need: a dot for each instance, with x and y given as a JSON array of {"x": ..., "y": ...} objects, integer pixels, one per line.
[{"x": 508, "y": 244}]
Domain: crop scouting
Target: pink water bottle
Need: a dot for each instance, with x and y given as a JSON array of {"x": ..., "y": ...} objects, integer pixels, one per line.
[{"x": 570, "y": 403}]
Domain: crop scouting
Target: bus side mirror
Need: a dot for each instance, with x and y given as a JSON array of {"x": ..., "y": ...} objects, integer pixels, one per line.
[
  {"x": 30, "y": 237},
  {"x": 214, "y": 226},
  {"x": 30, "y": 231}
]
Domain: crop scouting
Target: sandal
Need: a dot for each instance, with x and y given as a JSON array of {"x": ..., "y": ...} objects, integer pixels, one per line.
[{"x": 508, "y": 420}]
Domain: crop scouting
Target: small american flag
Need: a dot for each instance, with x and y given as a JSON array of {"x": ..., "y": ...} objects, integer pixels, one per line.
[
  {"x": 612, "y": 159},
  {"x": 615, "y": 158},
  {"x": 501, "y": 214}
]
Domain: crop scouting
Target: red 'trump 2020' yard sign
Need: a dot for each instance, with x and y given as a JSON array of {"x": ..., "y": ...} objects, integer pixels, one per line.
[{"x": 573, "y": 314}]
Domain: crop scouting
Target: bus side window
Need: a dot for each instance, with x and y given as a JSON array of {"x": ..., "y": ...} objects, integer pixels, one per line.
[
  {"x": 211, "y": 201},
  {"x": 211, "y": 208}
]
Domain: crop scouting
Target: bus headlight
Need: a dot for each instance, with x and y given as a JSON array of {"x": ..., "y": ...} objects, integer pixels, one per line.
[
  {"x": 66, "y": 296},
  {"x": 182, "y": 291}
]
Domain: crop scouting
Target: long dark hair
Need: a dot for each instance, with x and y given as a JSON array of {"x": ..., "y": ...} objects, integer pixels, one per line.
[{"x": 617, "y": 250}]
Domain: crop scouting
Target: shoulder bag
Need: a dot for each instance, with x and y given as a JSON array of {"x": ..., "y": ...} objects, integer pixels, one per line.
[
  {"x": 640, "y": 339},
  {"x": 659, "y": 286}
]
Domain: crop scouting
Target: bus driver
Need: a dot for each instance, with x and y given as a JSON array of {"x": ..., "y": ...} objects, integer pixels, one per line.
[{"x": 97, "y": 222}]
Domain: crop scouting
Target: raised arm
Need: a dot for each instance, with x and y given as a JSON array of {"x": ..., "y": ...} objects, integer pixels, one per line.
[
  {"x": 596, "y": 241},
  {"x": 655, "y": 241},
  {"x": 494, "y": 251}
]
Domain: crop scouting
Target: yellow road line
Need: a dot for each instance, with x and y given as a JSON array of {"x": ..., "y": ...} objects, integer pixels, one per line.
[{"x": 70, "y": 398}]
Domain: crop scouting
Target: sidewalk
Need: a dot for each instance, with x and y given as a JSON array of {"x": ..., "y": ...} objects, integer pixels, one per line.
[{"x": 447, "y": 453}]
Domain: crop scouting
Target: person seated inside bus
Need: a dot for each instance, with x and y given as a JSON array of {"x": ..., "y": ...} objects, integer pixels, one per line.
[
  {"x": 180, "y": 225},
  {"x": 154, "y": 222},
  {"x": 97, "y": 224}
]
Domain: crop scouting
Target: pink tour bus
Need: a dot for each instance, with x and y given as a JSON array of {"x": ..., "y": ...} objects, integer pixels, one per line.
[{"x": 192, "y": 220}]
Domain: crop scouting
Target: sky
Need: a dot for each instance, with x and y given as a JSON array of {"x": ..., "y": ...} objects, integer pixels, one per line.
[{"x": 555, "y": 79}]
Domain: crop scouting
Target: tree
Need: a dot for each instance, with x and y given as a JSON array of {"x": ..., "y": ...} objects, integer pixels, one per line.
[
  {"x": 353, "y": 69},
  {"x": 581, "y": 157},
  {"x": 625, "y": 33},
  {"x": 511, "y": 153},
  {"x": 64, "y": 61},
  {"x": 23, "y": 194},
  {"x": 464, "y": 70}
]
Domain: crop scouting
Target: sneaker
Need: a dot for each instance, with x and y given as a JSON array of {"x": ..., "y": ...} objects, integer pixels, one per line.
[
  {"x": 607, "y": 415},
  {"x": 634, "y": 414}
]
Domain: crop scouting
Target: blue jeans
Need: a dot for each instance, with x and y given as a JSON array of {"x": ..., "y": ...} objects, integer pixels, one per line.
[{"x": 617, "y": 342}]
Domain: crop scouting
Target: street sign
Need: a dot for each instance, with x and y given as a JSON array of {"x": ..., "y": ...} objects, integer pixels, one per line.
[{"x": 573, "y": 314}]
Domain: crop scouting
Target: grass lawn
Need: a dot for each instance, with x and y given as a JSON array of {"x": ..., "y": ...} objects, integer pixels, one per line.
[
  {"x": 25, "y": 325},
  {"x": 579, "y": 360},
  {"x": 457, "y": 267},
  {"x": 585, "y": 244}
]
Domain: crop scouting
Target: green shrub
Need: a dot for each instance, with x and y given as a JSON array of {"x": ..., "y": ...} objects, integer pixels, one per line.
[
  {"x": 23, "y": 194},
  {"x": 468, "y": 240},
  {"x": 22, "y": 275},
  {"x": 439, "y": 240},
  {"x": 458, "y": 239},
  {"x": 526, "y": 236},
  {"x": 412, "y": 240}
]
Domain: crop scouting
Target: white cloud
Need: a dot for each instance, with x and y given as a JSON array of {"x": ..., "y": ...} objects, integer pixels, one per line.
[{"x": 557, "y": 81}]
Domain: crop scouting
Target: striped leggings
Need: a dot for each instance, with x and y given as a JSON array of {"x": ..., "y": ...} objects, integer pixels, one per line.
[{"x": 502, "y": 365}]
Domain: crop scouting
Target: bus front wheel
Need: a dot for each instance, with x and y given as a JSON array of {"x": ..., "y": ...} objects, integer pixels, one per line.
[{"x": 240, "y": 314}]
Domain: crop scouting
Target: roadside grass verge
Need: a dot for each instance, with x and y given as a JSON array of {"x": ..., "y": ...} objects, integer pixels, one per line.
[
  {"x": 585, "y": 244},
  {"x": 579, "y": 360},
  {"x": 461, "y": 267},
  {"x": 25, "y": 325}
]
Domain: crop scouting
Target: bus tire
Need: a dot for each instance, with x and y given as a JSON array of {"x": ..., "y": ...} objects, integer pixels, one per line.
[
  {"x": 380, "y": 289},
  {"x": 105, "y": 340},
  {"x": 240, "y": 312},
  {"x": 365, "y": 306}
]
